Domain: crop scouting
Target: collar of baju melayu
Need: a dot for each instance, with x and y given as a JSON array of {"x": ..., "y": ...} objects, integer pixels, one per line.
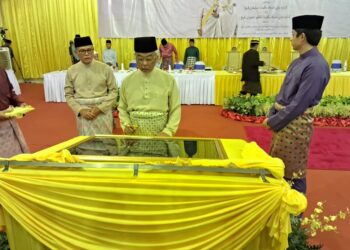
[
  {"x": 90, "y": 64},
  {"x": 147, "y": 75},
  {"x": 311, "y": 52}
]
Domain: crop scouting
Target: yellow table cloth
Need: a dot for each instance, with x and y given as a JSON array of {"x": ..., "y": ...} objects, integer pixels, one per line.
[
  {"x": 106, "y": 208},
  {"x": 229, "y": 84}
]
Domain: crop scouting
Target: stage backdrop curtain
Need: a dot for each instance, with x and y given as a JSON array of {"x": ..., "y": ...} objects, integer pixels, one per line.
[
  {"x": 41, "y": 31},
  {"x": 110, "y": 209}
]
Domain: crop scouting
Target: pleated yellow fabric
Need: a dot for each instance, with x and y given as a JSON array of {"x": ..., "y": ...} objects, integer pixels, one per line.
[
  {"x": 62, "y": 157},
  {"x": 229, "y": 84},
  {"x": 41, "y": 30},
  {"x": 95, "y": 208}
]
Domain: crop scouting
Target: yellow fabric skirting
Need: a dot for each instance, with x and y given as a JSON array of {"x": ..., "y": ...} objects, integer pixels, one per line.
[
  {"x": 109, "y": 209},
  {"x": 229, "y": 84},
  {"x": 106, "y": 208}
]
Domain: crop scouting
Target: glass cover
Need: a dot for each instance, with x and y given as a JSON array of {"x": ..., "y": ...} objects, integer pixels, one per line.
[{"x": 150, "y": 147}]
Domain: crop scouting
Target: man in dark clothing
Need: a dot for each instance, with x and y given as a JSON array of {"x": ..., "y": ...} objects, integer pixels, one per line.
[
  {"x": 250, "y": 70},
  {"x": 191, "y": 55}
]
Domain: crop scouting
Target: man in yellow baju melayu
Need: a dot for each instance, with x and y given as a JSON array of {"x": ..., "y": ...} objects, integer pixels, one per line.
[
  {"x": 149, "y": 98},
  {"x": 90, "y": 91}
]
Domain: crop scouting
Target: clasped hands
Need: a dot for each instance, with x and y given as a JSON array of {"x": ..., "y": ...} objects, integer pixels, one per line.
[{"x": 90, "y": 113}]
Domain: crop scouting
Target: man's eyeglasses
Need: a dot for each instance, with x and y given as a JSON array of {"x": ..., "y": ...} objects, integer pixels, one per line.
[{"x": 84, "y": 51}]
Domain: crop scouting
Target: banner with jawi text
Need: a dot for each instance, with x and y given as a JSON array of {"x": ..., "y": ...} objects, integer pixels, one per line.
[{"x": 216, "y": 18}]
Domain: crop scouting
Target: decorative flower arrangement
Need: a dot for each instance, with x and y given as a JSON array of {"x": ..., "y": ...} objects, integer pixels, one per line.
[
  {"x": 307, "y": 227},
  {"x": 317, "y": 223},
  {"x": 331, "y": 111}
]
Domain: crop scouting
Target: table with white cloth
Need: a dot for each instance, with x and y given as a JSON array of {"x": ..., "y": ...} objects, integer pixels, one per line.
[
  {"x": 195, "y": 87},
  {"x": 13, "y": 80}
]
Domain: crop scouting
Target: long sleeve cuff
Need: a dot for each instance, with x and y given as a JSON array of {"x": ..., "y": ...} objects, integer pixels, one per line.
[{"x": 167, "y": 131}]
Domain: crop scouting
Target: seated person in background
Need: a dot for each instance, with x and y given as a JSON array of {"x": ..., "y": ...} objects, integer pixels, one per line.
[
  {"x": 109, "y": 55},
  {"x": 159, "y": 60},
  {"x": 166, "y": 53},
  {"x": 264, "y": 49},
  {"x": 11, "y": 137},
  {"x": 96, "y": 55},
  {"x": 149, "y": 98},
  {"x": 191, "y": 55}
]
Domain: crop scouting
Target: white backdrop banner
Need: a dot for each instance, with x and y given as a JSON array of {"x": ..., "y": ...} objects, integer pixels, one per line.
[
  {"x": 216, "y": 18},
  {"x": 269, "y": 18}
]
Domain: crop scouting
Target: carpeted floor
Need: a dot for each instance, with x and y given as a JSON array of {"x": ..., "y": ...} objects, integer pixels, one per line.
[
  {"x": 52, "y": 123},
  {"x": 330, "y": 148}
]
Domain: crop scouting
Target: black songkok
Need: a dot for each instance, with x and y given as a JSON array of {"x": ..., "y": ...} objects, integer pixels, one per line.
[
  {"x": 254, "y": 42},
  {"x": 145, "y": 44},
  {"x": 310, "y": 22},
  {"x": 82, "y": 41}
]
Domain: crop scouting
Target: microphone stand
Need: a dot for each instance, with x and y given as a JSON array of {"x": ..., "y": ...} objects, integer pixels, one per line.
[{"x": 19, "y": 68}]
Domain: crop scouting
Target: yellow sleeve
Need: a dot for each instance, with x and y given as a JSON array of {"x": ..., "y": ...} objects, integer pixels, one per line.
[
  {"x": 112, "y": 94},
  {"x": 174, "y": 115},
  {"x": 122, "y": 108},
  {"x": 69, "y": 94}
]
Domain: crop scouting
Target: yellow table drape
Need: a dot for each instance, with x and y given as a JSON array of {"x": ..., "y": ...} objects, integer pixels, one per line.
[
  {"x": 105, "y": 208},
  {"x": 229, "y": 84}
]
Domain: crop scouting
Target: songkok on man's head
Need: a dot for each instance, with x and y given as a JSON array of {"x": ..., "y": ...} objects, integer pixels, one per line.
[
  {"x": 7, "y": 41},
  {"x": 254, "y": 42},
  {"x": 310, "y": 22},
  {"x": 145, "y": 44},
  {"x": 108, "y": 41},
  {"x": 82, "y": 41}
]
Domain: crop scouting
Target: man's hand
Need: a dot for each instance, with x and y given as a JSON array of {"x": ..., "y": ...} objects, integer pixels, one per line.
[
  {"x": 86, "y": 114},
  {"x": 215, "y": 13},
  {"x": 265, "y": 124},
  {"x": 129, "y": 129},
  {"x": 163, "y": 134},
  {"x": 95, "y": 111}
]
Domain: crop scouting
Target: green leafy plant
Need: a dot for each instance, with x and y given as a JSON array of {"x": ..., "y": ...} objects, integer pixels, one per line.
[
  {"x": 329, "y": 106},
  {"x": 249, "y": 105},
  {"x": 4, "y": 244},
  {"x": 298, "y": 238}
]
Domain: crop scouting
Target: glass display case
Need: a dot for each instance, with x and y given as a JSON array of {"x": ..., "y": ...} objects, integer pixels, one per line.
[
  {"x": 135, "y": 153},
  {"x": 148, "y": 147}
]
